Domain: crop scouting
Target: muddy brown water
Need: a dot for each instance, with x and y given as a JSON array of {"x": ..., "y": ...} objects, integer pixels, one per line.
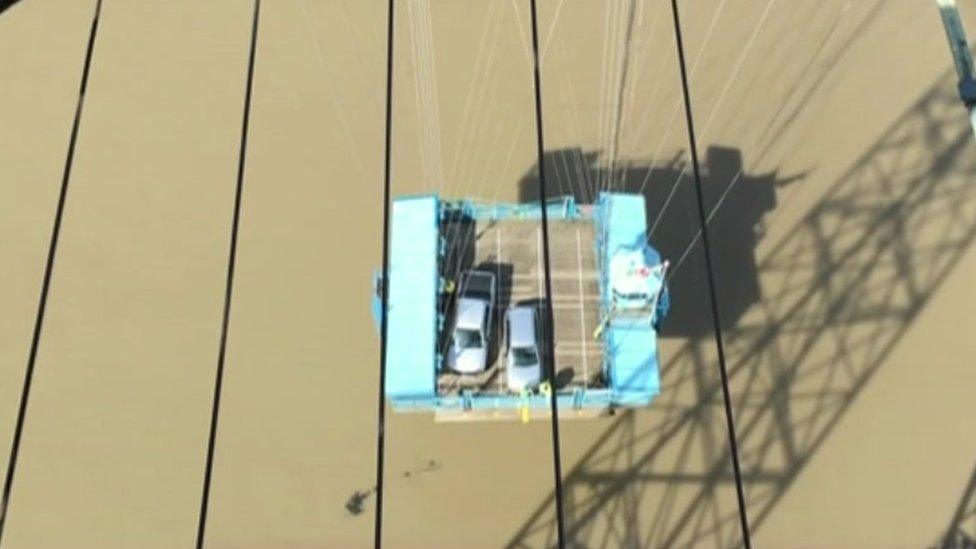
[{"x": 835, "y": 153}]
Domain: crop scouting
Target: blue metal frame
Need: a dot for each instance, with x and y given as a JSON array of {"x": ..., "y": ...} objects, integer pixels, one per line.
[
  {"x": 963, "y": 60},
  {"x": 417, "y": 248}
]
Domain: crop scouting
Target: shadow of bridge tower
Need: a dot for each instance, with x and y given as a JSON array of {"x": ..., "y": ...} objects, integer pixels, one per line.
[
  {"x": 672, "y": 218},
  {"x": 961, "y": 533},
  {"x": 838, "y": 292}
]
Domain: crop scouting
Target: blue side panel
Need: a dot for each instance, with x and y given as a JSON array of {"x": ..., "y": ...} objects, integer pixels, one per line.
[
  {"x": 631, "y": 362},
  {"x": 625, "y": 217},
  {"x": 634, "y": 375},
  {"x": 412, "y": 330}
]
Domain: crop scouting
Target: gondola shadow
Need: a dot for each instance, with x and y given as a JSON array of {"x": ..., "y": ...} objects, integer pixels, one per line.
[{"x": 672, "y": 217}]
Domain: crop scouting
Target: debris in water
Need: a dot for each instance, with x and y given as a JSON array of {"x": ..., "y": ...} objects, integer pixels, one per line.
[
  {"x": 429, "y": 467},
  {"x": 356, "y": 501}
]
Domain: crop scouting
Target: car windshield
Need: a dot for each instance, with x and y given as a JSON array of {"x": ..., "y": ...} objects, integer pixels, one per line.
[
  {"x": 467, "y": 339},
  {"x": 524, "y": 356}
]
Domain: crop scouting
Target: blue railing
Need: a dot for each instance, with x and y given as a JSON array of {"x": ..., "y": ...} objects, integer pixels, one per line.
[{"x": 556, "y": 208}]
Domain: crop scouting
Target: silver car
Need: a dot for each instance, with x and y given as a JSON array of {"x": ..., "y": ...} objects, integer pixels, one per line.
[
  {"x": 524, "y": 371},
  {"x": 472, "y": 325}
]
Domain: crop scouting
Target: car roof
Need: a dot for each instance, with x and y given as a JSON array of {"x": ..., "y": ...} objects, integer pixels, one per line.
[
  {"x": 470, "y": 313},
  {"x": 521, "y": 326},
  {"x": 475, "y": 275}
]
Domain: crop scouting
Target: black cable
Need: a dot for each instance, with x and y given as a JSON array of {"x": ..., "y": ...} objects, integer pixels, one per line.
[
  {"x": 229, "y": 290},
  {"x": 48, "y": 269},
  {"x": 727, "y": 396},
  {"x": 384, "y": 284},
  {"x": 548, "y": 315}
]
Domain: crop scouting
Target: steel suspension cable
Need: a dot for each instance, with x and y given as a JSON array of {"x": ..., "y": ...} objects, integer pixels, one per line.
[
  {"x": 46, "y": 281},
  {"x": 713, "y": 297},
  {"x": 229, "y": 287},
  {"x": 547, "y": 312},
  {"x": 384, "y": 285}
]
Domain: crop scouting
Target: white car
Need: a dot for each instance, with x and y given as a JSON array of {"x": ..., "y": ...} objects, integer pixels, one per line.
[
  {"x": 472, "y": 324},
  {"x": 524, "y": 367}
]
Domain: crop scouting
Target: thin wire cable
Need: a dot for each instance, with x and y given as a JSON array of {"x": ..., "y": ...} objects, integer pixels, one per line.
[
  {"x": 473, "y": 87},
  {"x": 518, "y": 24},
  {"x": 229, "y": 289},
  {"x": 472, "y": 148},
  {"x": 550, "y": 340},
  {"x": 616, "y": 86},
  {"x": 48, "y": 270},
  {"x": 716, "y": 106},
  {"x": 716, "y": 16},
  {"x": 459, "y": 247},
  {"x": 431, "y": 81},
  {"x": 330, "y": 81},
  {"x": 552, "y": 30},
  {"x": 582, "y": 168},
  {"x": 385, "y": 284},
  {"x": 604, "y": 79},
  {"x": 762, "y": 153},
  {"x": 424, "y": 73},
  {"x": 713, "y": 297},
  {"x": 621, "y": 99},
  {"x": 466, "y": 242}
]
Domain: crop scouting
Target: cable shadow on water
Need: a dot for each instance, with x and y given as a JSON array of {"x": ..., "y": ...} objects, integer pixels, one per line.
[{"x": 827, "y": 304}]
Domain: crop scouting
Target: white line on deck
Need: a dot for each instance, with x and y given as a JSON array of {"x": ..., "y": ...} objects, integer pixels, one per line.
[
  {"x": 538, "y": 250},
  {"x": 582, "y": 310},
  {"x": 501, "y": 321}
]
